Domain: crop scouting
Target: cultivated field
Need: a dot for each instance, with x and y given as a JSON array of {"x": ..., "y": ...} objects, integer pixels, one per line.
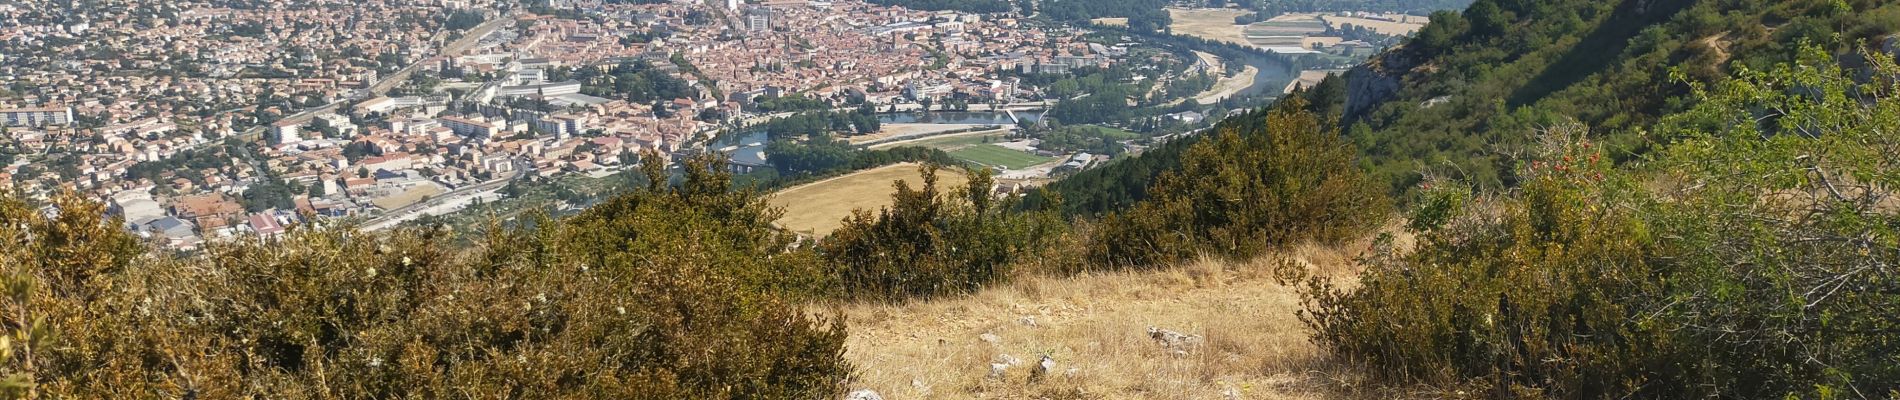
[
  {"x": 1404, "y": 25},
  {"x": 1211, "y": 24},
  {"x": 1095, "y": 328},
  {"x": 999, "y": 156},
  {"x": 1285, "y": 30},
  {"x": 820, "y": 207}
]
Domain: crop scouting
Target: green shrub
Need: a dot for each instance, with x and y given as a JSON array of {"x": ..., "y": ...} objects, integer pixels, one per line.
[
  {"x": 1753, "y": 259},
  {"x": 928, "y": 243},
  {"x": 658, "y": 294},
  {"x": 1238, "y": 195}
]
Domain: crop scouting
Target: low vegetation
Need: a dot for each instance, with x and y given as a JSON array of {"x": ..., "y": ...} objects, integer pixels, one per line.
[
  {"x": 931, "y": 243},
  {"x": 631, "y": 299},
  {"x": 1752, "y": 259},
  {"x": 1706, "y": 234},
  {"x": 1239, "y": 195}
]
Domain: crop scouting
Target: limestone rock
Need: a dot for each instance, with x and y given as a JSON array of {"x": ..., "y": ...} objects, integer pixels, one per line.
[
  {"x": 1179, "y": 343},
  {"x": 1007, "y": 360},
  {"x": 1027, "y": 321},
  {"x": 1043, "y": 368},
  {"x": 997, "y": 370}
]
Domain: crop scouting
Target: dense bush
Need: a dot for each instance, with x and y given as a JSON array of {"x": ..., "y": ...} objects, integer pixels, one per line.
[
  {"x": 665, "y": 293},
  {"x": 1237, "y": 195},
  {"x": 1754, "y": 259},
  {"x": 930, "y": 243}
]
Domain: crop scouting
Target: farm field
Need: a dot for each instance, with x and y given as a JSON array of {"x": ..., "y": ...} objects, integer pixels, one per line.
[
  {"x": 999, "y": 156},
  {"x": 1401, "y": 25},
  {"x": 1285, "y": 30},
  {"x": 819, "y": 208},
  {"x": 1211, "y": 24}
]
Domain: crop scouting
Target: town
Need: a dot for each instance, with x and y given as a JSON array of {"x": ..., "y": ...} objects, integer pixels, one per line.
[{"x": 199, "y": 122}]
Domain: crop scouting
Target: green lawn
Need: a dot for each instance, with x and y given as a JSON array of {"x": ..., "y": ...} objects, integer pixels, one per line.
[{"x": 999, "y": 156}]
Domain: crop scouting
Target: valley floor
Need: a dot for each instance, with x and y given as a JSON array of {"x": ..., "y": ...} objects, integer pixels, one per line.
[{"x": 1096, "y": 329}]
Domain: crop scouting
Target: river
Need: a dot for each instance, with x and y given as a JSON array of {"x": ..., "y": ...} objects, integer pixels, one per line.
[{"x": 1272, "y": 79}]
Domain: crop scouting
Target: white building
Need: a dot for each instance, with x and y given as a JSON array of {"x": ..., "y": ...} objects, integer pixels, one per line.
[
  {"x": 36, "y": 116},
  {"x": 287, "y": 131}
]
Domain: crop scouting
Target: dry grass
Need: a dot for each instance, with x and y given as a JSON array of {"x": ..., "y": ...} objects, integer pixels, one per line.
[
  {"x": 1110, "y": 21},
  {"x": 820, "y": 207},
  {"x": 1403, "y": 24},
  {"x": 1228, "y": 86},
  {"x": 1208, "y": 23},
  {"x": 1308, "y": 79},
  {"x": 1095, "y": 327}
]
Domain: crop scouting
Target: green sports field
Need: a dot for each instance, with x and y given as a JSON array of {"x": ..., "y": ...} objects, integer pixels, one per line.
[{"x": 999, "y": 156}]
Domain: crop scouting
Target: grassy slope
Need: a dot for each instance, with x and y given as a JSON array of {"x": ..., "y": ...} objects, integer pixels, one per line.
[{"x": 1256, "y": 348}]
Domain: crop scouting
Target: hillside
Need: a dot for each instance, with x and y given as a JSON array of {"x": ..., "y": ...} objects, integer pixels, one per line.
[
  {"x": 1461, "y": 99},
  {"x": 1532, "y": 199}
]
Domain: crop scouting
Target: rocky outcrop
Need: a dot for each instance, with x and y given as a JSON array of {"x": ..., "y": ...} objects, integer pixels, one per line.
[{"x": 1377, "y": 81}]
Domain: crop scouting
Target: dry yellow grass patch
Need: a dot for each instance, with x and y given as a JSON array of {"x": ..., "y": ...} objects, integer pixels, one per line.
[
  {"x": 1309, "y": 79},
  {"x": 1400, "y": 26},
  {"x": 1110, "y": 21},
  {"x": 820, "y": 207},
  {"x": 1208, "y": 23},
  {"x": 1095, "y": 328}
]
